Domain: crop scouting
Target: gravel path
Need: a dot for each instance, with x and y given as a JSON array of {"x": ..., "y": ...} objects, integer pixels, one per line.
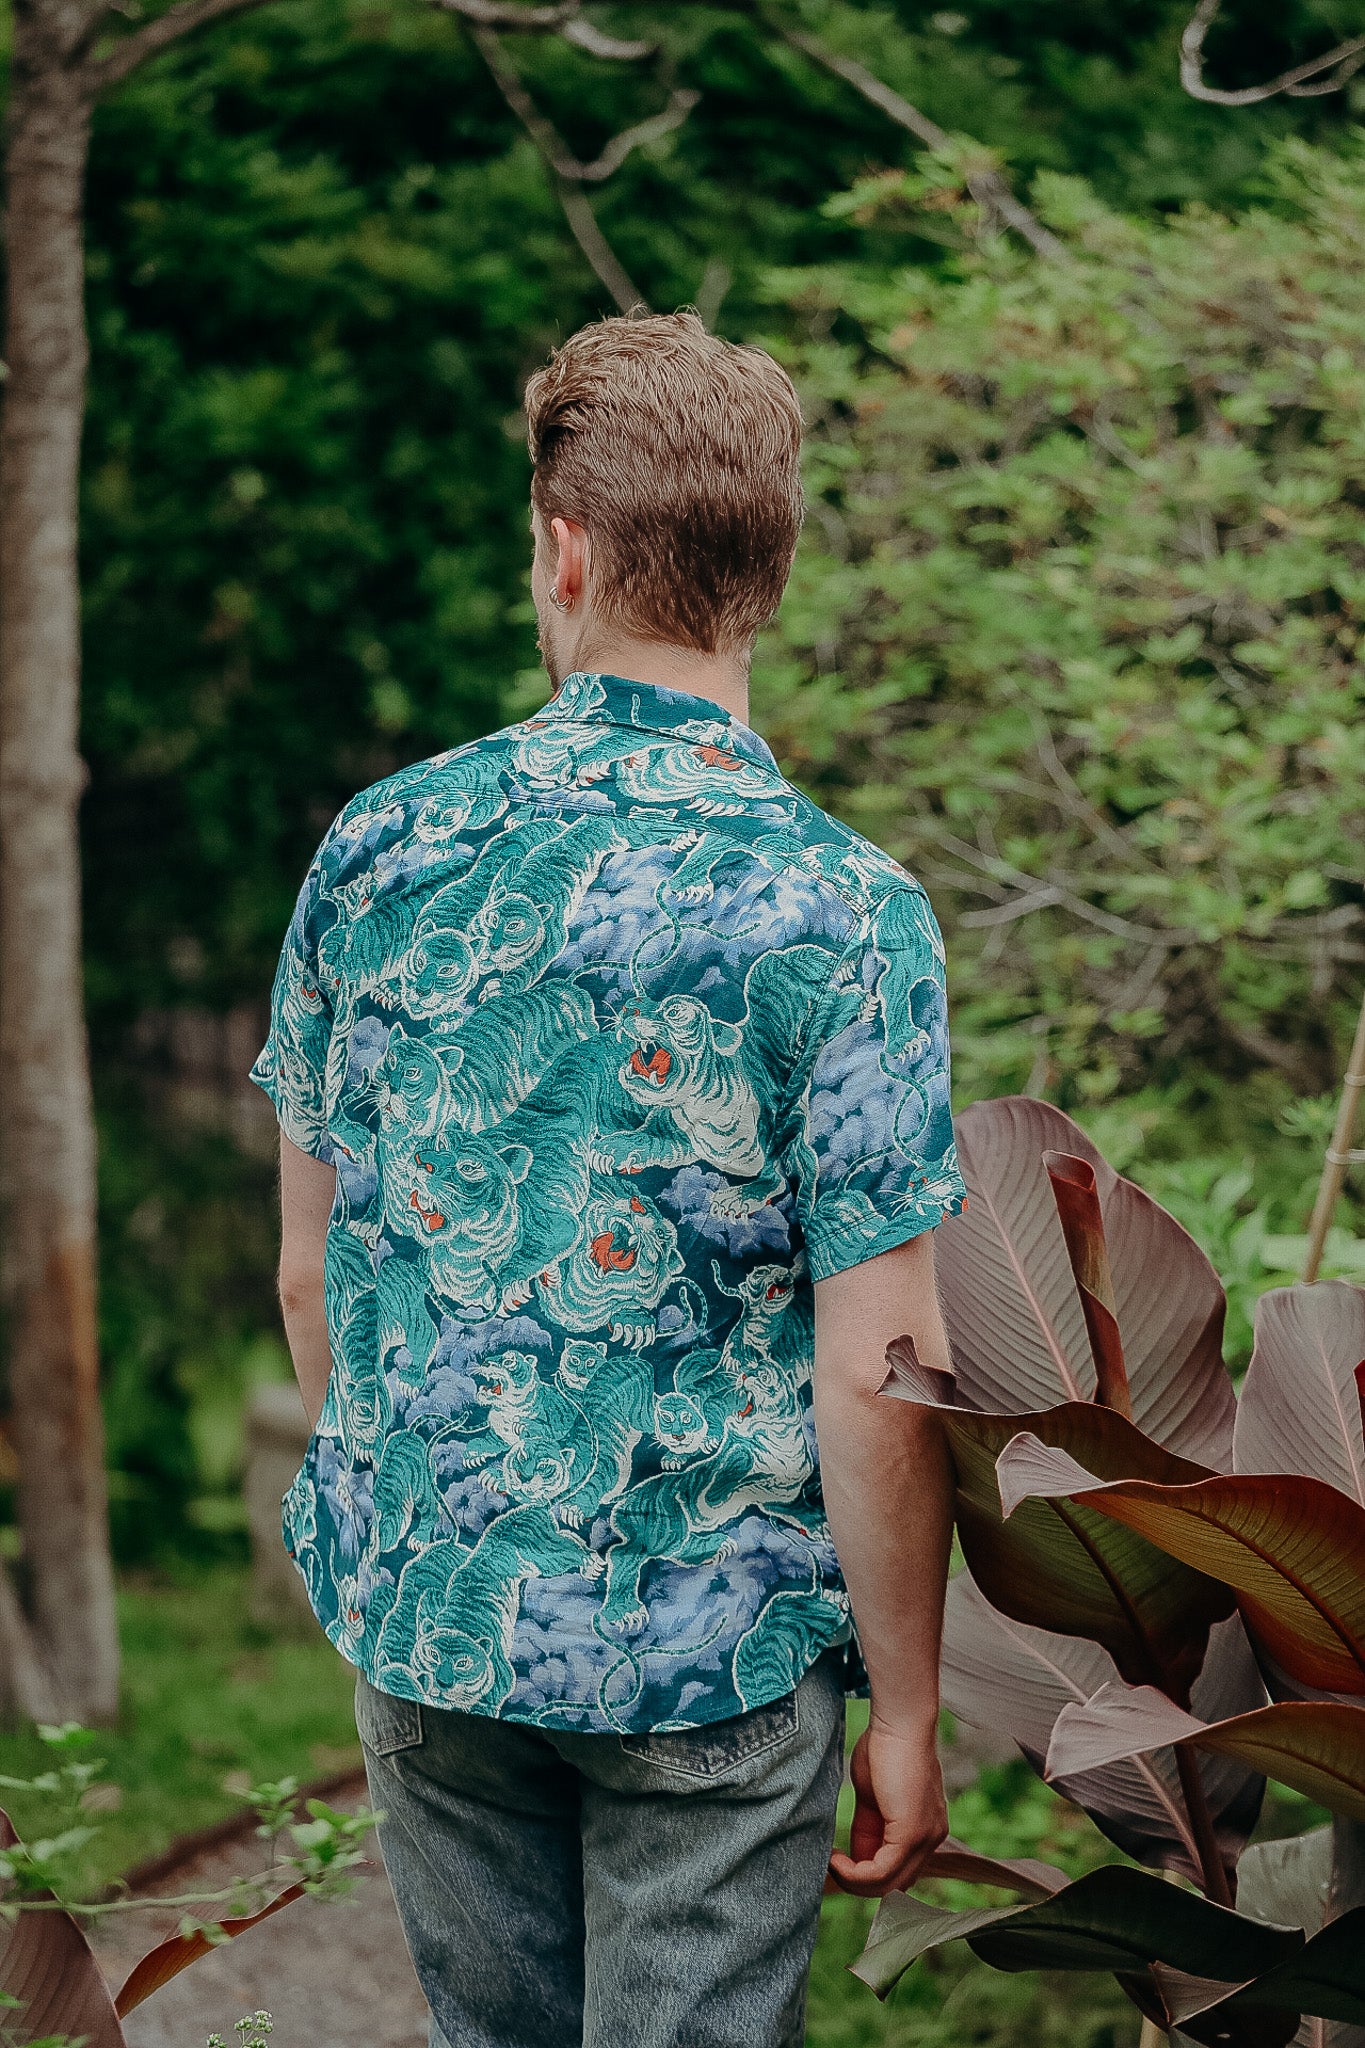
[{"x": 333, "y": 1976}]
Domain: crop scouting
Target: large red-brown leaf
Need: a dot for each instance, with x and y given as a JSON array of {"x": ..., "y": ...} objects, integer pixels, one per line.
[
  {"x": 1316, "y": 1747},
  {"x": 1077, "y": 1196},
  {"x": 1011, "y": 1303},
  {"x": 1016, "y": 1681},
  {"x": 46, "y": 1962},
  {"x": 172, "y": 1956},
  {"x": 1055, "y": 1565},
  {"x": 1300, "y": 1405},
  {"x": 953, "y": 1859},
  {"x": 1325, "y": 1979},
  {"x": 1023, "y": 1874},
  {"x": 1292, "y": 1549},
  {"x": 1288, "y": 1879},
  {"x": 1114, "y": 1918}
]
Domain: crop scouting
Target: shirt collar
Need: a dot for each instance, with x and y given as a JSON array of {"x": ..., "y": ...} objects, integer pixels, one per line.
[{"x": 647, "y": 707}]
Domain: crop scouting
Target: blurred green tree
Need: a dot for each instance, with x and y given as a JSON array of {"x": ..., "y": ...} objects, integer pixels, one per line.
[{"x": 1078, "y": 625}]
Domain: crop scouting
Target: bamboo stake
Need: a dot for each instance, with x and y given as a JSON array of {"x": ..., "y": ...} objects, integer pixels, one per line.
[{"x": 1339, "y": 1153}]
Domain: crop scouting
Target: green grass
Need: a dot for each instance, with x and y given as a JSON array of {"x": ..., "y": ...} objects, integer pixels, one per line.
[
  {"x": 207, "y": 1696},
  {"x": 210, "y": 1699}
]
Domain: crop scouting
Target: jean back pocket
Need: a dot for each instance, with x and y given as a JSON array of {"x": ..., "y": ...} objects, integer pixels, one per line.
[
  {"x": 718, "y": 1747},
  {"x": 385, "y": 1724}
]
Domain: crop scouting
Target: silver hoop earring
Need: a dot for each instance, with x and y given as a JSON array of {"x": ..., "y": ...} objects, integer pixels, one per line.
[{"x": 562, "y": 604}]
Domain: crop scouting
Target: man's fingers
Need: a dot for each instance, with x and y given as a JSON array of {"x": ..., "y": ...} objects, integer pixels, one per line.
[
  {"x": 867, "y": 1830},
  {"x": 894, "y": 1868}
]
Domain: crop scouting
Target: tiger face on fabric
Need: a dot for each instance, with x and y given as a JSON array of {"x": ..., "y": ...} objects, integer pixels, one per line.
[{"x": 616, "y": 1043}]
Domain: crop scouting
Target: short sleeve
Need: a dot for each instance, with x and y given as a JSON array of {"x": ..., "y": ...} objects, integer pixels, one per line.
[
  {"x": 873, "y": 1160},
  {"x": 292, "y": 1064}
]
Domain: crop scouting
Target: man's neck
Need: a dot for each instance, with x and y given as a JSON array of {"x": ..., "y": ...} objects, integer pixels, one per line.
[{"x": 723, "y": 678}]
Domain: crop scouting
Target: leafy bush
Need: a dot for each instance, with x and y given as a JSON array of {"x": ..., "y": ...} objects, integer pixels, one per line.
[{"x": 1076, "y": 628}]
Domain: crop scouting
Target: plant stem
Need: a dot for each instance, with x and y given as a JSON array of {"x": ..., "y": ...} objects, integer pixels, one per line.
[
  {"x": 231, "y": 1894},
  {"x": 1339, "y": 1153},
  {"x": 1214, "y": 1870}
]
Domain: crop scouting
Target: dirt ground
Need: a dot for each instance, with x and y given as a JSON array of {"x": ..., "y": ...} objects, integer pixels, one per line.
[{"x": 333, "y": 1976}]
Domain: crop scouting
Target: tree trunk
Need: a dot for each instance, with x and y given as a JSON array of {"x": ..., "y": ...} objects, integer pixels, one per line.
[{"x": 58, "y": 1640}]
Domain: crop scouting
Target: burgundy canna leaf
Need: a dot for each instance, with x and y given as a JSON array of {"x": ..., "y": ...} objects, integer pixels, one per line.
[
  {"x": 1113, "y": 1919},
  {"x": 1316, "y": 1747},
  {"x": 1013, "y": 1310},
  {"x": 1023, "y": 1874},
  {"x": 1057, "y": 1566},
  {"x": 1293, "y": 1549},
  {"x": 1324, "y": 1979},
  {"x": 1017, "y": 1681},
  {"x": 175, "y": 1954},
  {"x": 1076, "y": 1192},
  {"x": 1300, "y": 1409},
  {"x": 48, "y": 1965}
]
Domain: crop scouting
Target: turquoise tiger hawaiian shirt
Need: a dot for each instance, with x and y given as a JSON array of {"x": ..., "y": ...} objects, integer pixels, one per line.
[{"x": 616, "y": 1043}]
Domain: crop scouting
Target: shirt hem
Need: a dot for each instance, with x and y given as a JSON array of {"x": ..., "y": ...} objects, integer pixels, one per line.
[{"x": 565, "y": 1717}]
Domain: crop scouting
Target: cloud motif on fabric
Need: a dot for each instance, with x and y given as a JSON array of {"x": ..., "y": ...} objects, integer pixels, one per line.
[{"x": 690, "y": 1194}]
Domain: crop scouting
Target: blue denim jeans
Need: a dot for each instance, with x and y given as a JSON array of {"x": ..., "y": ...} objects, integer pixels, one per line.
[{"x": 609, "y": 1891}]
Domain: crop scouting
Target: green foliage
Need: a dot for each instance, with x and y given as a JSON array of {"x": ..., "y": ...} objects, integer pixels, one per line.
[
  {"x": 1076, "y": 627},
  {"x": 251, "y": 2031},
  {"x": 189, "y": 1322},
  {"x": 211, "y": 1705},
  {"x": 322, "y": 258}
]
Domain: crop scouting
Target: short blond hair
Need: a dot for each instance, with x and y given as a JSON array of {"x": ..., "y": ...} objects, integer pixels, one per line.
[{"x": 679, "y": 453}]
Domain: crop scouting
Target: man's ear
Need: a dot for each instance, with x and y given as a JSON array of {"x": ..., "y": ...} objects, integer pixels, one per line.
[{"x": 570, "y": 575}]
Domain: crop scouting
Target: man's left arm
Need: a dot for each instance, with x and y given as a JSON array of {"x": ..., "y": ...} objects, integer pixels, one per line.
[
  {"x": 307, "y": 1191},
  {"x": 888, "y": 1491}
]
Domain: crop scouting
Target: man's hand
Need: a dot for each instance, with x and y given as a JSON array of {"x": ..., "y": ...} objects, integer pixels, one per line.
[{"x": 900, "y": 1816}]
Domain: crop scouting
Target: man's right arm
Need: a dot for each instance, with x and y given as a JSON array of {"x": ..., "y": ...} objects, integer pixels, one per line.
[
  {"x": 307, "y": 1191},
  {"x": 888, "y": 1494}
]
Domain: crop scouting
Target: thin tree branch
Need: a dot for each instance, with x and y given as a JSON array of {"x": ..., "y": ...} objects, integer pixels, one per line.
[
  {"x": 1303, "y": 82},
  {"x": 564, "y": 168},
  {"x": 158, "y": 34},
  {"x": 562, "y": 15},
  {"x": 989, "y": 189},
  {"x": 598, "y": 250},
  {"x": 506, "y": 14},
  {"x": 620, "y": 146},
  {"x": 547, "y": 138},
  {"x": 581, "y": 31}
]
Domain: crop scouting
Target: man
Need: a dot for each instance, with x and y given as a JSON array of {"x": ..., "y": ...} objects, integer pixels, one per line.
[{"x": 613, "y": 1082}]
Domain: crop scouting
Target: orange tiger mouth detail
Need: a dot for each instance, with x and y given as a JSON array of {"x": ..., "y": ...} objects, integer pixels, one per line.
[
  {"x": 656, "y": 1068},
  {"x": 432, "y": 1218},
  {"x": 611, "y": 1257}
]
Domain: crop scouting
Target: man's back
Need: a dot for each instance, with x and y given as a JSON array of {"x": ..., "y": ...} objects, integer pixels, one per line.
[{"x": 616, "y": 1043}]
